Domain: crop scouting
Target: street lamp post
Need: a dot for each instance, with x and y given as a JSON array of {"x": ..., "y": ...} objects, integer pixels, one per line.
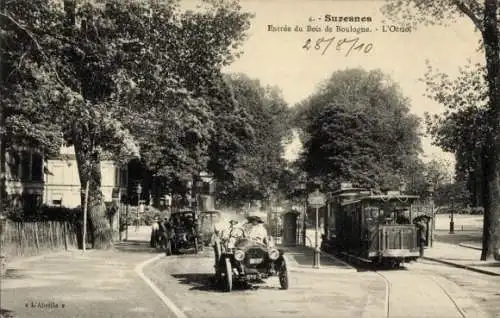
[
  {"x": 3, "y": 257},
  {"x": 430, "y": 190},
  {"x": 302, "y": 188},
  {"x": 452, "y": 222},
  {"x": 139, "y": 191}
]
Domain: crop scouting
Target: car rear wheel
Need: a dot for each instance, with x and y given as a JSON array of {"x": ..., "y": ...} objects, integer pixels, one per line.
[
  {"x": 196, "y": 245},
  {"x": 284, "y": 274},
  {"x": 228, "y": 280}
]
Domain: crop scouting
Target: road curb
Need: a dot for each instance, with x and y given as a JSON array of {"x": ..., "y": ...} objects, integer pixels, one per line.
[
  {"x": 470, "y": 246},
  {"x": 167, "y": 301},
  {"x": 330, "y": 256},
  {"x": 311, "y": 270},
  {"x": 474, "y": 269}
]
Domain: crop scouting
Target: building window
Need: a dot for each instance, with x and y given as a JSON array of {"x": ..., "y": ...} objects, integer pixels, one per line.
[
  {"x": 25, "y": 165},
  {"x": 37, "y": 167},
  {"x": 56, "y": 199},
  {"x": 13, "y": 163},
  {"x": 123, "y": 177},
  {"x": 205, "y": 189}
]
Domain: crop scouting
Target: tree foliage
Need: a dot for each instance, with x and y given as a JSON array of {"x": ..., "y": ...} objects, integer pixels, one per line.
[
  {"x": 484, "y": 16},
  {"x": 254, "y": 142},
  {"x": 99, "y": 70},
  {"x": 357, "y": 128},
  {"x": 175, "y": 61},
  {"x": 462, "y": 129}
]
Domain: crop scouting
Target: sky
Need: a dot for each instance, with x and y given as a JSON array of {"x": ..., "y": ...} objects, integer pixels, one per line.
[{"x": 277, "y": 58}]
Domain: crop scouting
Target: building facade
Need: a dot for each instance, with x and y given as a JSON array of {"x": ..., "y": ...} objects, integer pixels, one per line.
[
  {"x": 32, "y": 181},
  {"x": 24, "y": 178}
]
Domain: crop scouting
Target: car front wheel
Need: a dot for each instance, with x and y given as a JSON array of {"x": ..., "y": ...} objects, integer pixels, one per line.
[
  {"x": 284, "y": 274},
  {"x": 228, "y": 279}
]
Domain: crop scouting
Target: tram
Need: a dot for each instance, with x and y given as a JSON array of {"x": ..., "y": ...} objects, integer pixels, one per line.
[{"x": 373, "y": 228}]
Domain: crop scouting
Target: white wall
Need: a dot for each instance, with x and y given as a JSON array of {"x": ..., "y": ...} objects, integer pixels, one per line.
[{"x": 63, "y": 182}]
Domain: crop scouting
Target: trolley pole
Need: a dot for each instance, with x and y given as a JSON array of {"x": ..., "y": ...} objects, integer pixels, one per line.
[{"x": 316, "y": 200}]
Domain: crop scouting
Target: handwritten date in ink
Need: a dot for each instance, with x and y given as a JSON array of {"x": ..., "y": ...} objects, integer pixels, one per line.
[{"x": 349, "y": 45}]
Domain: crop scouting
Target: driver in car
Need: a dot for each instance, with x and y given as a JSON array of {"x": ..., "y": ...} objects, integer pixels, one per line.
[
  {"x": 256, "y": 229},
  {"x": 232, "y": 232}
]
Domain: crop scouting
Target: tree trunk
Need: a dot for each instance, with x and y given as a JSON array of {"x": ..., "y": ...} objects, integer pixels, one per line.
[
  {"x": 492, "y": 205},
  {"x": 89, "y": 168}
]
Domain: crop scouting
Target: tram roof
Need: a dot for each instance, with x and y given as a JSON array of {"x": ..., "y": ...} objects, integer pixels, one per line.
[
  {"x": 349, "y": 191},
  {"x": 390, "y": 196},
  {"x": 382, "y": 198}
]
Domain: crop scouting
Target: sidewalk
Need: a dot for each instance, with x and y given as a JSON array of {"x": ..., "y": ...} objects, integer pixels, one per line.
[
  {"x": 76, "y": 284},
  {"x": 301, "y": 259},
  {"x": 461, "y": 256}
]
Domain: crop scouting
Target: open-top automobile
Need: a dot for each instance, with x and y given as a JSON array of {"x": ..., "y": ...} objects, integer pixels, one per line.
[
  {"x": 246, "y": 260},
  {"x": 183, "y": 232}
]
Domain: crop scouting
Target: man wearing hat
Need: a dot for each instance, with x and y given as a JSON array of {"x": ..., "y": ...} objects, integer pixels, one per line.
[
  {"x": 155, "y": 227},
  {"x": 256, "y": 229},
  {"x": 233, "y": 231}
]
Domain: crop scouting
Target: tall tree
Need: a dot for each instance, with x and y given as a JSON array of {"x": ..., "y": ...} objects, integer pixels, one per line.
[
  {"x": 178, "y": 80},
  {"x": 256, "y": 141},
  {"x": 95, "y": 59},
  {"x": 484, "y": 16},
  {"x": 357, "y": 128},
  {"x": 462, "y": 128}
]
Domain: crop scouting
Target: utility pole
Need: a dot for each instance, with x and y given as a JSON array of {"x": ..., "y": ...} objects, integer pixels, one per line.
[
  {"x": 2, "y": 161},
  {"x": 2, "y": 144}
]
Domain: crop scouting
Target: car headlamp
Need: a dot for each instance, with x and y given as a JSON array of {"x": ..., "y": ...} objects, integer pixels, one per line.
[
  {"x": 274, "y": 254},
  {"x": 239, "y": 255}
]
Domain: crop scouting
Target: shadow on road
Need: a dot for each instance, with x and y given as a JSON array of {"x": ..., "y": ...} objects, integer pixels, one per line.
[
  {"x": 361, "y": 266},
  {"x": 12, "y": 273},
  {"x": 496, "y": 264},
  {"x": 136, "y": 247},
  {"x": 5, "y": 313},
  {"x": 205, "y": 282}
]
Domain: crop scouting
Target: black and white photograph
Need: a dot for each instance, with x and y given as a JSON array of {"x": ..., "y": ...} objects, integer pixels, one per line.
[{"x": 250, "y": 158}]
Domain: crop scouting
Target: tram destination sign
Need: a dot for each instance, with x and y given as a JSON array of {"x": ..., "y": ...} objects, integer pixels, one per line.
[{"x": 316, "y": 199}]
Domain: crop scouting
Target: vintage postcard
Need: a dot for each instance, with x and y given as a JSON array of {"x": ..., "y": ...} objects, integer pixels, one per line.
[{"x": 252, "y": 158}]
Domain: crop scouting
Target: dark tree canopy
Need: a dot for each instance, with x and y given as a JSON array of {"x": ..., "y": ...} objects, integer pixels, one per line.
[
  {"x": 357, "y": 128},
  {"x": 253, "y": 143}
]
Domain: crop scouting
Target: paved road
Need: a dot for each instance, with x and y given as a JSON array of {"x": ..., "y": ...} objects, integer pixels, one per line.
[
  {"x": 95, "y": 284},
  {"x": 186, "y": 280},
  {"x": 104, "y": 284},
  {"x": 483, "y": 289}
]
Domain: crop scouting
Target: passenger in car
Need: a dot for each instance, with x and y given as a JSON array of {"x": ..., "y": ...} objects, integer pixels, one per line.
[{"x": 256, "y": 229}]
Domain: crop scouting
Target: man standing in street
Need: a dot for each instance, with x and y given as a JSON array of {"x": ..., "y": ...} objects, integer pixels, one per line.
[{"x": 421, "y": 223}]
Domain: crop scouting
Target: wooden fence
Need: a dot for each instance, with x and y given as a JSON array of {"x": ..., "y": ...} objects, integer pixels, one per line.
[{"x": 33, "y": 238}]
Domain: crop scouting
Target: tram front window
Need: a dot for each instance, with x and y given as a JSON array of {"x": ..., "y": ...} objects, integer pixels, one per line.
[
  {"x": 371, "y": 214},
  {"x": 403, "y": 216}
]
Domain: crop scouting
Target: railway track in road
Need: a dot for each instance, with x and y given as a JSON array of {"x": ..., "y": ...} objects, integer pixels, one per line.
[
  {"x": 400, "y": 298},
  {"x": 407, "y": 288},
  {"x": 412, "y": 292}
]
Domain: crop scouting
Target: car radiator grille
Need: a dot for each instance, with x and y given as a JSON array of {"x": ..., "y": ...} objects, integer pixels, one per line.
[{"x": 254, "y": 253}]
